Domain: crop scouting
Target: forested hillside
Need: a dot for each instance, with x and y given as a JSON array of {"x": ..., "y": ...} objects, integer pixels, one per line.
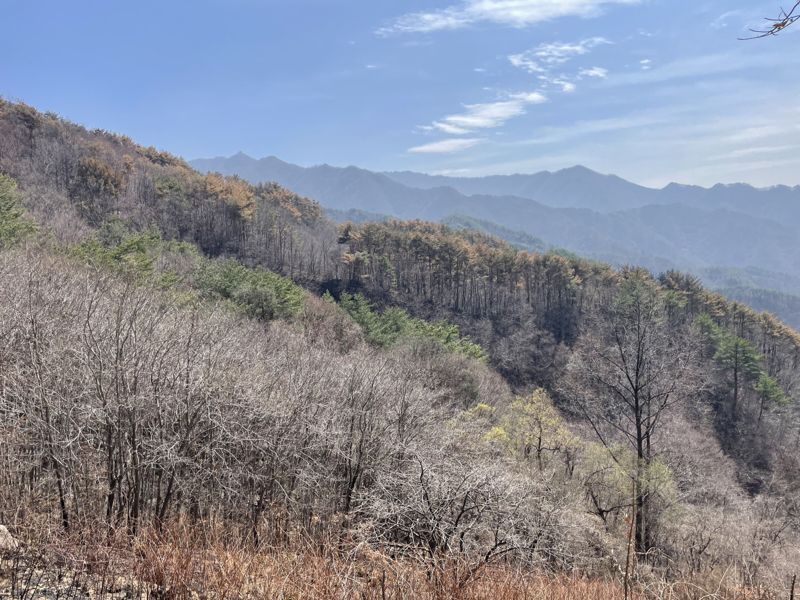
[
  {"x": 602, "y": 217},
  {"x": 210, "y": 389}
]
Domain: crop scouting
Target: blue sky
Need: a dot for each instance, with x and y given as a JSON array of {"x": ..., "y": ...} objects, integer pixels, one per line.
[{"x": 652, "y": 90}]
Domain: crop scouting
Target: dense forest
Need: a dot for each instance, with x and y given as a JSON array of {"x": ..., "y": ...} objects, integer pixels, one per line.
[{"x": 207, "y": 388}]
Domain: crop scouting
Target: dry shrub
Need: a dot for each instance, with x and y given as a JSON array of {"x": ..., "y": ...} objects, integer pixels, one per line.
[{"x": 185, "y": 561}]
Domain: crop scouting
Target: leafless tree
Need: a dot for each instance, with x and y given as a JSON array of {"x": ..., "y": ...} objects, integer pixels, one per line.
[
  {"x": 628, "y": 371},
  {"x": 777, "y": 24}
]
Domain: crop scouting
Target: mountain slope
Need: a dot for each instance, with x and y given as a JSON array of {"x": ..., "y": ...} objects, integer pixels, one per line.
[
  {"x": 518, "y": 239},
  {"x": 701, "y": 232},
  {"x": 583, "y": 188},
  {"x": 575, "y": 187},
  {"x": 154, "y": 409}
]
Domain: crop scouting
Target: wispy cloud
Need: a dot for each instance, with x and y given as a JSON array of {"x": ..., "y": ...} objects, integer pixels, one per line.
[
  {"x": 716, "y": 136},
  {"x": 542, "y": 60},
  {"x": 446, "y": 146},
  {"x": 722, "y": 21},
  {"x": 585, "y": 128},
  {"x": 487, "y": 115},
  {"x": 705, "y": 111},
  {"x": 514, "y": 13},
  {"x": 597, "y": 72},
  {"x": 546, "y": 56},
  {"x": 446, "y": 127},
  {"x": 525, "y": 62},
  {"x": 785, "y": 150},
  {"x": 702, "y": 66}
]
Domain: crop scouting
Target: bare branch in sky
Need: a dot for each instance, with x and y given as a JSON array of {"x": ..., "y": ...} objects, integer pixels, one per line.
[{"x": 776, "y": 25}]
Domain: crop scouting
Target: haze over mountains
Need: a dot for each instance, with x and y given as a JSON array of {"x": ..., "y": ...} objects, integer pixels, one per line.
[{"x": 738, "y": 238}]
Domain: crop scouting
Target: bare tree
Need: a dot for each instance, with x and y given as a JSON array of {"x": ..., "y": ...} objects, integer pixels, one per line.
[
  {"x": 777, "y": 24},
  {"x": 628, "y": 370}
]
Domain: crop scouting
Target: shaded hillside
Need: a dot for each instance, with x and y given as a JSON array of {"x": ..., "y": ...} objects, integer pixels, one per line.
[
  {"x": 751, "y": 278},
  {"x": 518, "y": 239},
  {"x": 779, "y": 203},
  {"x": 762, "y": 290},
  {"x": 720, "y": 237},
  {"x": 75, "y": 180},
  {"x": 777, "y": 303},
  {"x": 354, "y": 215}
]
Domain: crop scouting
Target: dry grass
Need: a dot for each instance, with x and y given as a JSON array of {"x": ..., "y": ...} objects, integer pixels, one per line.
[{"x": 185, "y": 563}]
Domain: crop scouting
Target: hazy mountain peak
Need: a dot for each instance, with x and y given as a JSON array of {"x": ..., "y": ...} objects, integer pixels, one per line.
[{"x": 576, "y": 170}]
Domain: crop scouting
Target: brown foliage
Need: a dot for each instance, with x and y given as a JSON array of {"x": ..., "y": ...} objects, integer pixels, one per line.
[{"x": 182, "y": 563}]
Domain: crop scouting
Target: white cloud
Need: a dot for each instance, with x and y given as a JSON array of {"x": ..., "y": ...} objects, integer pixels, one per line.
[
  {"x": 514, "y": 13},
  {"x": 488, "y": 115},
  {"x": 546, "y": 56},
  {"x": 713, "y": 135},
  {"x": 598, "y": 72},
  {"x": 558, "y": 53},
  {"x": 525, "y": 62},
  {"x": 448, "y": 128},
  {"x": 530, "y": 97},
  {"x": 446, "y": 146},
  {"x": 567, "y": 86},
  {"x": 646, "y": 64}
]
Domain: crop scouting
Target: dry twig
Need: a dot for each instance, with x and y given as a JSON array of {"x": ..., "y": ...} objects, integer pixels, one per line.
[{"x": 776, "y": 25}]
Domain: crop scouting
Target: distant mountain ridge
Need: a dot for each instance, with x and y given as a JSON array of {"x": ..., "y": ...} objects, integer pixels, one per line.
[
  {"x": 599, "y": 216},
  {"x": 560, "y": 189},
  {"x": 567, "y": 188}
]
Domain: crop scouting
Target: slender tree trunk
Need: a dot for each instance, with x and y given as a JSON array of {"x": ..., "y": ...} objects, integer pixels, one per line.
[
  {"x": 734, "y": 408},
  {"x": 640, "y": 504},
  {"x": 629, "y": 557}
]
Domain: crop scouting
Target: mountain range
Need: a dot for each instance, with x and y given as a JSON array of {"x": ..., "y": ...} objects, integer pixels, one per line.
[{"x": 735, "y": 230}]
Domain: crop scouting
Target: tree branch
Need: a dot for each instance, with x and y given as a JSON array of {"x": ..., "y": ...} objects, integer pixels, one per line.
[{"x": 776, "y": 25}]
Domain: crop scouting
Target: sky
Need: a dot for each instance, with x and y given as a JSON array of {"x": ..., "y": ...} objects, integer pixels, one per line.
[{"x": 652, "y": 90}]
